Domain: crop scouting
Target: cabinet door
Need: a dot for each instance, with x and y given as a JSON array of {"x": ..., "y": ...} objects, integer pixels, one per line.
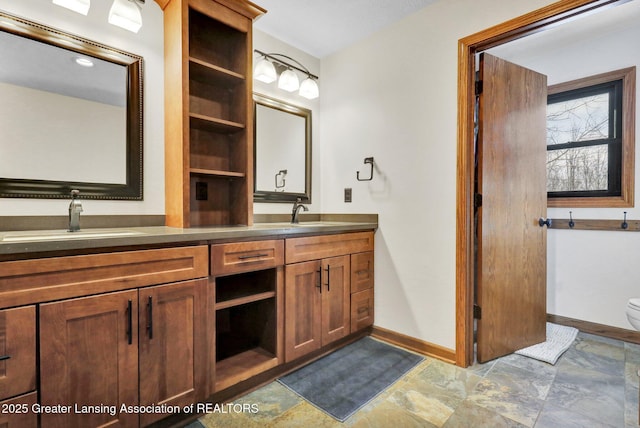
[
  {"x": 302, "y": 302},
  {"x": 89, "y": 357},
  {"x": 17, "y": 412},
  {"x": 336, "y": 298},
  {"x": 172, "y": 345},
  {"x": 361, "y": 309},
  {"x": 17, "y": 351},
  {"x": 361, "y": 271}
]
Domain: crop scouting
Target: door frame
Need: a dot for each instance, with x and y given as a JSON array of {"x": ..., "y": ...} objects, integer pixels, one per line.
[{"x": 533, "y": 22}]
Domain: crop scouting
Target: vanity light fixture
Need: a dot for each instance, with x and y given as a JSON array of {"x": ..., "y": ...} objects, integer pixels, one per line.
[
  {"x": 80, "y": 6},
  {"x": 309, "y": 89},
  {"x": 265, "y": 71},
  {"x": 288, "y": 81},
  {"x": 272, "y": 64},
  {"x": 126, "y": 14}
]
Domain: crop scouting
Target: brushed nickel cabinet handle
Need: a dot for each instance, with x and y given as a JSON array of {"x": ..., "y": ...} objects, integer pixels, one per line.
[{"x": 4, "y": 357}]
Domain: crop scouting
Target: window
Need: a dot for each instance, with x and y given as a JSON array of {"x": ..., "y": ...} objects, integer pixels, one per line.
[{"x": 590, "y": 141}]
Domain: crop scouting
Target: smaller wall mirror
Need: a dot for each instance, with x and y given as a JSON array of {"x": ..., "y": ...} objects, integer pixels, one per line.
[
  {"x": 70, "y": 115},
  {"x": 282, "y": 149}
]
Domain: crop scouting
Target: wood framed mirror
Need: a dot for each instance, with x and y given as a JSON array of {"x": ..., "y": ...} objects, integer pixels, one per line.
[
  {"x": 70, "y": 115},
  {"x": 282, "y": 148}
]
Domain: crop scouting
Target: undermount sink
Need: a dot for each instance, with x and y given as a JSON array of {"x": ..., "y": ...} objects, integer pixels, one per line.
[
  {"x": 54, "y": 235},
  {"x": 286, "y": 225}
]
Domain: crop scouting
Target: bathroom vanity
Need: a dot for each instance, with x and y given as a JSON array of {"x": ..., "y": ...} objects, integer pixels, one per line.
[
  {"x": 159, "y": 318},
  {"x": 132, "y": 327}
]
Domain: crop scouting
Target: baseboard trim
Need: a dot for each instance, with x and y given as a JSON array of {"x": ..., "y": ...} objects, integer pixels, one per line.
[
  {"x": 597, "y": 329},
  {"x": 415, "y": 345}
]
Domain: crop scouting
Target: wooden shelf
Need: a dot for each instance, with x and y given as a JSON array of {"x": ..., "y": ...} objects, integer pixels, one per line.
[
  {"x": 217, "y": 173},
  {"x": 215, "y": 124},
  {"x": 208, "y": 113},
  {"x": 243, "y": 366},
  {"x": 204, "y": 71},
  {"x": 245, "y": 299}
]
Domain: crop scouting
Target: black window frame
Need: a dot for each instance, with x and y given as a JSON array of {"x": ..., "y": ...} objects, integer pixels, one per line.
[
  {"x": 614, "y": 142},
  {"x": 627, "y": 197}
]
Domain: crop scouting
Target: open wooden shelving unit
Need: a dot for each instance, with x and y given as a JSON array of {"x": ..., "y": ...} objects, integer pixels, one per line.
[
  {"x": 246, "y": 326},
  {"x": 208, "y": 112}
]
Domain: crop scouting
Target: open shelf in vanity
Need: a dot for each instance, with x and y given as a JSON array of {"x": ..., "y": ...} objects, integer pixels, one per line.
[{"x": 248, "y": 281}]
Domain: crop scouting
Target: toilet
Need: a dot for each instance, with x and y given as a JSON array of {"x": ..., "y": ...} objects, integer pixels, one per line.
[{"x": 633, "y": 312}]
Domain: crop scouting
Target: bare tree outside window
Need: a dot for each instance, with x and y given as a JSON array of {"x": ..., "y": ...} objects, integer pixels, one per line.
[
  {"x": 582, "y": 168},
  {"x": 591, "y": 141}
]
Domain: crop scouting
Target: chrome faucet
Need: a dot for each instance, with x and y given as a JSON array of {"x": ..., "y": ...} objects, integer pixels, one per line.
[
  {"x": 75, "y": 208},
  {"x": 296, "y": 209}
]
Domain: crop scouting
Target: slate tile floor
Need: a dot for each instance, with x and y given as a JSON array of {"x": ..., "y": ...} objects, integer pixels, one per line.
[{"x": 594, "y": 384}]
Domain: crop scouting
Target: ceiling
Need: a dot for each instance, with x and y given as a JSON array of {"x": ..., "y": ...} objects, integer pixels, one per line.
[
  {"x": 322, "y": 27},
  {"x": 586, "y": 28},
  {"x": 44, "y": 67}
]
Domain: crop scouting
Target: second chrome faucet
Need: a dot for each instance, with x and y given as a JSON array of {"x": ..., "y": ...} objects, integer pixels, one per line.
[
  {"x": 75, "y": 208},
  {"x": 296, "y": 210}
]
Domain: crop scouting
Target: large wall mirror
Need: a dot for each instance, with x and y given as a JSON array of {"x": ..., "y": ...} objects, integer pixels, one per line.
[
  {"x": 70, "y": 115},
  {"x": 282, "y": 146}
]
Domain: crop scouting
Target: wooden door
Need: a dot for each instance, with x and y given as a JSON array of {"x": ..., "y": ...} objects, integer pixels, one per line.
[
  {"x": 172, "y": 334},
  {"x": 336, "y": 298},
  {"x": 511, "y": 282},
  {"x": 89, "y": 357},
  {"x": 302, "y": 306}
]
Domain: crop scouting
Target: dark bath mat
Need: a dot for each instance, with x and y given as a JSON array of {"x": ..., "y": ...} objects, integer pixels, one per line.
[{"x": 344, "y": 381}]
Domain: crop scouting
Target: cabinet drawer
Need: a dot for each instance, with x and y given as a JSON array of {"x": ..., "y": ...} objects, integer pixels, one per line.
[
  {"x": 16, "y": 413},
  {"x": 361, "y": 310},
  {"x": 323, "y": 246},
  {"x": 240, "y": 257},
  {"x": 41, "y": 280},
  {"x": 361, "y": 271},
  {"x": 17, "y": 351}
]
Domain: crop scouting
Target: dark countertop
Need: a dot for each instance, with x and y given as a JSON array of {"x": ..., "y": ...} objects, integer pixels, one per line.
[{"x": 42, "y": 241}]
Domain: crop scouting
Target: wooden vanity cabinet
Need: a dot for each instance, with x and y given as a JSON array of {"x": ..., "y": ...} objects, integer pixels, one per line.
[
  {"x": 17, "y": 412},
  {"x": 89, "y": 356},
  {"x": 318, "y": 290},
  {"x": 317, "y": 304},
  {"x": 133, "y": 347},
  {"x": 361, "y": 290},
  {"x": 248, "y": 288},
  {"x": 18, "y": 367},
  {"x": 173, "y": 339},
  {"x": 17, "y": 351}
]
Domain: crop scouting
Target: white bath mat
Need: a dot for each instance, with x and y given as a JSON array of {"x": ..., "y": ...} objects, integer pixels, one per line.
[{"x": 559, "y": 339}]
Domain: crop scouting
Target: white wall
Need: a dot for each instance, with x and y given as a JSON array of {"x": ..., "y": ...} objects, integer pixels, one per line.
[
  {"x": 591, "y": 274},
  {"x": 268, "y": 44},
  {"x": 393, "y": 96},
  {"x": 148, "y": 43}
]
